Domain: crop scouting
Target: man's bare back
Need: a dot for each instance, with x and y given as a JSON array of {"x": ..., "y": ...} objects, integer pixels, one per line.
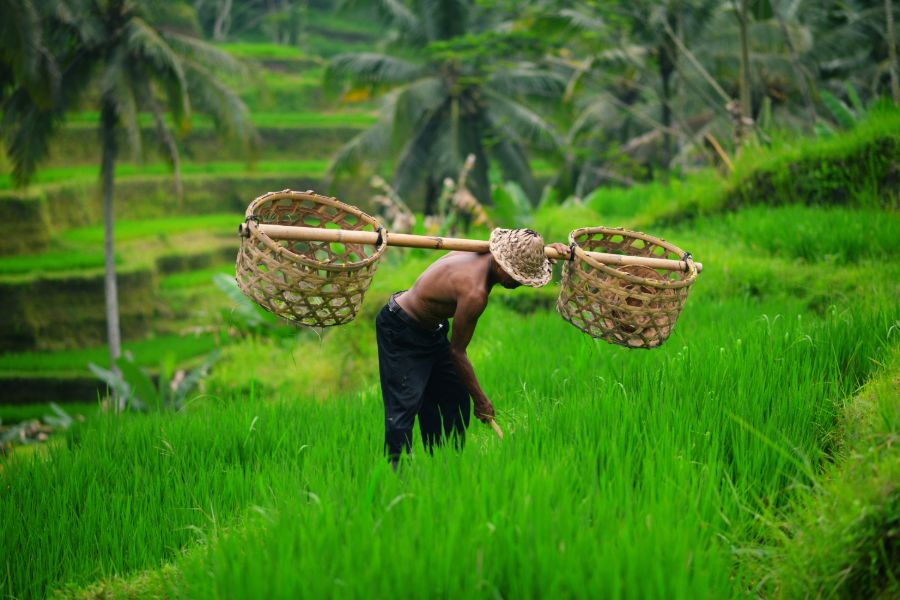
[
  {"x": 435, "y": 294},
  {"x": 422, "y": 372},
  {"x": 457, "y": 286}
]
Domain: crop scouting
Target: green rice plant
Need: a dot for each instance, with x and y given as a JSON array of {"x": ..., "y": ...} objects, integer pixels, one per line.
[
  {"x": 15, "y": 413},
  {"x": 340, "y": 24},
  {"x": 193, "y": 279},
  {"x": 326, "y": 46},
  {"x": 52, "y": 261},
  {"x": 511, "y": 206},
  {"x": 840, "y": 539},
  {"x": 261, "y": 119},
  {"x": 623, "y": 473},
  {"x": 135, "y": 388},
  {"x": 555, "y": 222},
  {"x": 834, "y": 235},
  {"x": 262, "y": 50},
  {"x": 146, "y": 353},
  {"x": 325, "y": 120},
  {"x": 126, "y": 170},
  {"x": 854, "y": 169},
  {"x": 651, "y": 463},
  {"x": 699, "y": 191},
  {"x": 130, "y": 230}
]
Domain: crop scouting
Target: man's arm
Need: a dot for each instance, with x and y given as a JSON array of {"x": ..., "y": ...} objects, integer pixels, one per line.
[{"x": 468, "y": 309}]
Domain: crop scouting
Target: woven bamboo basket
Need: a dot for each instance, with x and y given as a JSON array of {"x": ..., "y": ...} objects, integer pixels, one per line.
[
  {"x": 318, "y": 284},
  {"x": 633, "y": 306}
]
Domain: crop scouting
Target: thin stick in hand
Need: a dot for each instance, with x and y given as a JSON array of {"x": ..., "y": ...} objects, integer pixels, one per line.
[{"x": 497, "y": 429}]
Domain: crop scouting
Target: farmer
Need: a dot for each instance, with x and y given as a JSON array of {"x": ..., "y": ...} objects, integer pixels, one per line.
[{"x": 422, "y": 372}]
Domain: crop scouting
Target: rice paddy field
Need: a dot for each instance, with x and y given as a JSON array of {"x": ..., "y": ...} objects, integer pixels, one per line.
[
  {"x": 670, "y": 473},
  {"x": 754, "y": 454}
]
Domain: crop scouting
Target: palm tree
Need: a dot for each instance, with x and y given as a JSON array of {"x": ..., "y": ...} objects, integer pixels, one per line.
[
  {"x": 24, "y": 58},
  {"x": 136, "y": 54},
  {"x": 455, "y": 91},
  {"x": 631, "y": 96}
]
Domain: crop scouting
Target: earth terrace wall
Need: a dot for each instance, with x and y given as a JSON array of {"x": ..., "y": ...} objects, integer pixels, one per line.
[
  {"x": 832, "y": 177},
  {"x": 55, "y": 312},
  {"x": 28, "y": 223},
  {"x": 862, "y": 168}
]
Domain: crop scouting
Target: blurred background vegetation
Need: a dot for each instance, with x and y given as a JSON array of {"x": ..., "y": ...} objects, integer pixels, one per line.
[
  {"x": 135, "y": 132},
  {"x": 762, "y": 135}
]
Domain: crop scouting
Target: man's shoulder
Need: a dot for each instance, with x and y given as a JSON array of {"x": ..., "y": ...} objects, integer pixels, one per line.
[
  {"x": 475, "y": 297},
  {"x": 465, "y": 281}
]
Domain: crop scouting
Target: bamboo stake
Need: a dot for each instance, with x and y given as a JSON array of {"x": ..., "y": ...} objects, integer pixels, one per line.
[
  {"x": 405, "y": 240},
  {"x": 497, "y": 429}
]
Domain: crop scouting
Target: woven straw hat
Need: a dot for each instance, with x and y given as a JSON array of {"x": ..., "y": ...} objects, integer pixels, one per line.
[{"x": 520, "y": 252}]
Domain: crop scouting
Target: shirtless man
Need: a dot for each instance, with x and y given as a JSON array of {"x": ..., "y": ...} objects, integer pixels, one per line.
[{"x": 422, "y": 372}]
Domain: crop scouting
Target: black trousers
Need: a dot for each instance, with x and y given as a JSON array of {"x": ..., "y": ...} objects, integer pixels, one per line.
[{"x": 418, "y": 379}]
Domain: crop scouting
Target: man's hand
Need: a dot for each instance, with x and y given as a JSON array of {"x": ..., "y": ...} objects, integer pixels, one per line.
[
  {"x": 484, "y": 411},
  {"x": 562, "y": 249}
]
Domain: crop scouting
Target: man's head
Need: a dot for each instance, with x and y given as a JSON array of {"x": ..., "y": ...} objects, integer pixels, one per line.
[{"x": 519, "y": 254}]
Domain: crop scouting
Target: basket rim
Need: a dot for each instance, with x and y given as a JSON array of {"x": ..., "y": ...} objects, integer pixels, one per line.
[
  {"x": 283, "y": 252},
  {"x": 613, "y": 272}
]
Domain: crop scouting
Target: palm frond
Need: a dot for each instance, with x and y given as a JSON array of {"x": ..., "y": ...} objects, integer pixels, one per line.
[
  {"x": 581, "y": 20},
  {"x": 145, "y": 41},
  {"x": 81, "y": 17},
  {"x": 167, "y": 140},
  {"x": 416, "y": 159},
  {"x": 398, "y": 15},
  {"x": 511, "y": 157},
  {"x": 524, "y": 121},
  {"x": 226, "y": 108},
  {"x": 115, "y": 88},
  {"x": 470, "y": 143},
  {"x": 444, "y": 19},
  {"x": 26, "y": 130},
  {"x": 20, "y": 32},
  {"x": 127, "y": 110},
  {"x": 26, "y": 57},
  {"x": 412, "y": 102},
  {"x": 370, "y": 146},
  {"x": 527, "y": 80},
  {"x": 206, "y": 54},
  {"x": 371, "y": 68}
]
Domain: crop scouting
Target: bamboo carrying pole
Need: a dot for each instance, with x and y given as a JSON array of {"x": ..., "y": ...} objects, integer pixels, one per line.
[{"x": 405, "y": 240}]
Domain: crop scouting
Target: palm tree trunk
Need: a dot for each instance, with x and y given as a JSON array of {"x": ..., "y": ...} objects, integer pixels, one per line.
[
  {"x": 666, "y": 68},
  {"x": 744, "y": 84},
  {"x": 795, "y": 63},
  {"x": 668, "y": 54},
  {"x": 108, "y": 139},
  {"x": 223, "y": 22},
  {"x": 892, "y": 50}
]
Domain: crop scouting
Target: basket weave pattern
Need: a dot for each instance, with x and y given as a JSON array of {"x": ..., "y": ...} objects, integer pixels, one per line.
[
  {"x": 318, "y": 284},
  {"x": 633, "y": 306}
]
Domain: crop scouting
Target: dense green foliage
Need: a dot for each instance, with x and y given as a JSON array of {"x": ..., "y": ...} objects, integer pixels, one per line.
[
  {"x": 841, "y": 540},
  {"x": 753, "y": 454},
  {"x": 577, "y": 448}
]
